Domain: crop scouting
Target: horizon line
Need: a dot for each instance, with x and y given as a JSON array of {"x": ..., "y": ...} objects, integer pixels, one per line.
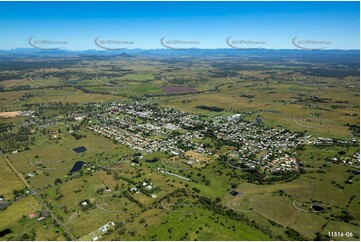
[{"x": 179, "y": 50}]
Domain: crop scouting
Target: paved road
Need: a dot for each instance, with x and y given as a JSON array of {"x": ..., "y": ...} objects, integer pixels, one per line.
[{"x": 38, "y": 198}]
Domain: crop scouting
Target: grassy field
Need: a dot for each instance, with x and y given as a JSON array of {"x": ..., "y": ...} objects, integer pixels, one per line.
[{"x": 9, "y": 181}]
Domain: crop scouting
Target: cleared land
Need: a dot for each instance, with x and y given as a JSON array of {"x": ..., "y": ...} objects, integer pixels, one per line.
[{"x": 165, "y": 195}]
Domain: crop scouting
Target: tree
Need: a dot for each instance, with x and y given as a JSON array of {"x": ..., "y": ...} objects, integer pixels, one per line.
[{"x": 58, "y": 181}]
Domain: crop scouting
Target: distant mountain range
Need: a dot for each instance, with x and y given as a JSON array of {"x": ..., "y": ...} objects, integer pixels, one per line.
[{"x": 265, "y": 54}]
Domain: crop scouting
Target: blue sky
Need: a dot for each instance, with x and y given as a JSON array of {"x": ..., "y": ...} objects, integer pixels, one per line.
[{"x": 210, "y": 23}]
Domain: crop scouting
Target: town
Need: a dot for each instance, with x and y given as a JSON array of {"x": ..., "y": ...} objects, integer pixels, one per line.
[{"x": 148, "y": 128}]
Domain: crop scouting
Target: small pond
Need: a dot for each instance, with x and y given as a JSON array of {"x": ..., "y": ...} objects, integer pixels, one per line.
[
  {"x": 5, "y": 232},
  {"x": 80, "y": 149},
  {"x": 317, "y": 208},
  {"x": 77, "y": 166}
]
